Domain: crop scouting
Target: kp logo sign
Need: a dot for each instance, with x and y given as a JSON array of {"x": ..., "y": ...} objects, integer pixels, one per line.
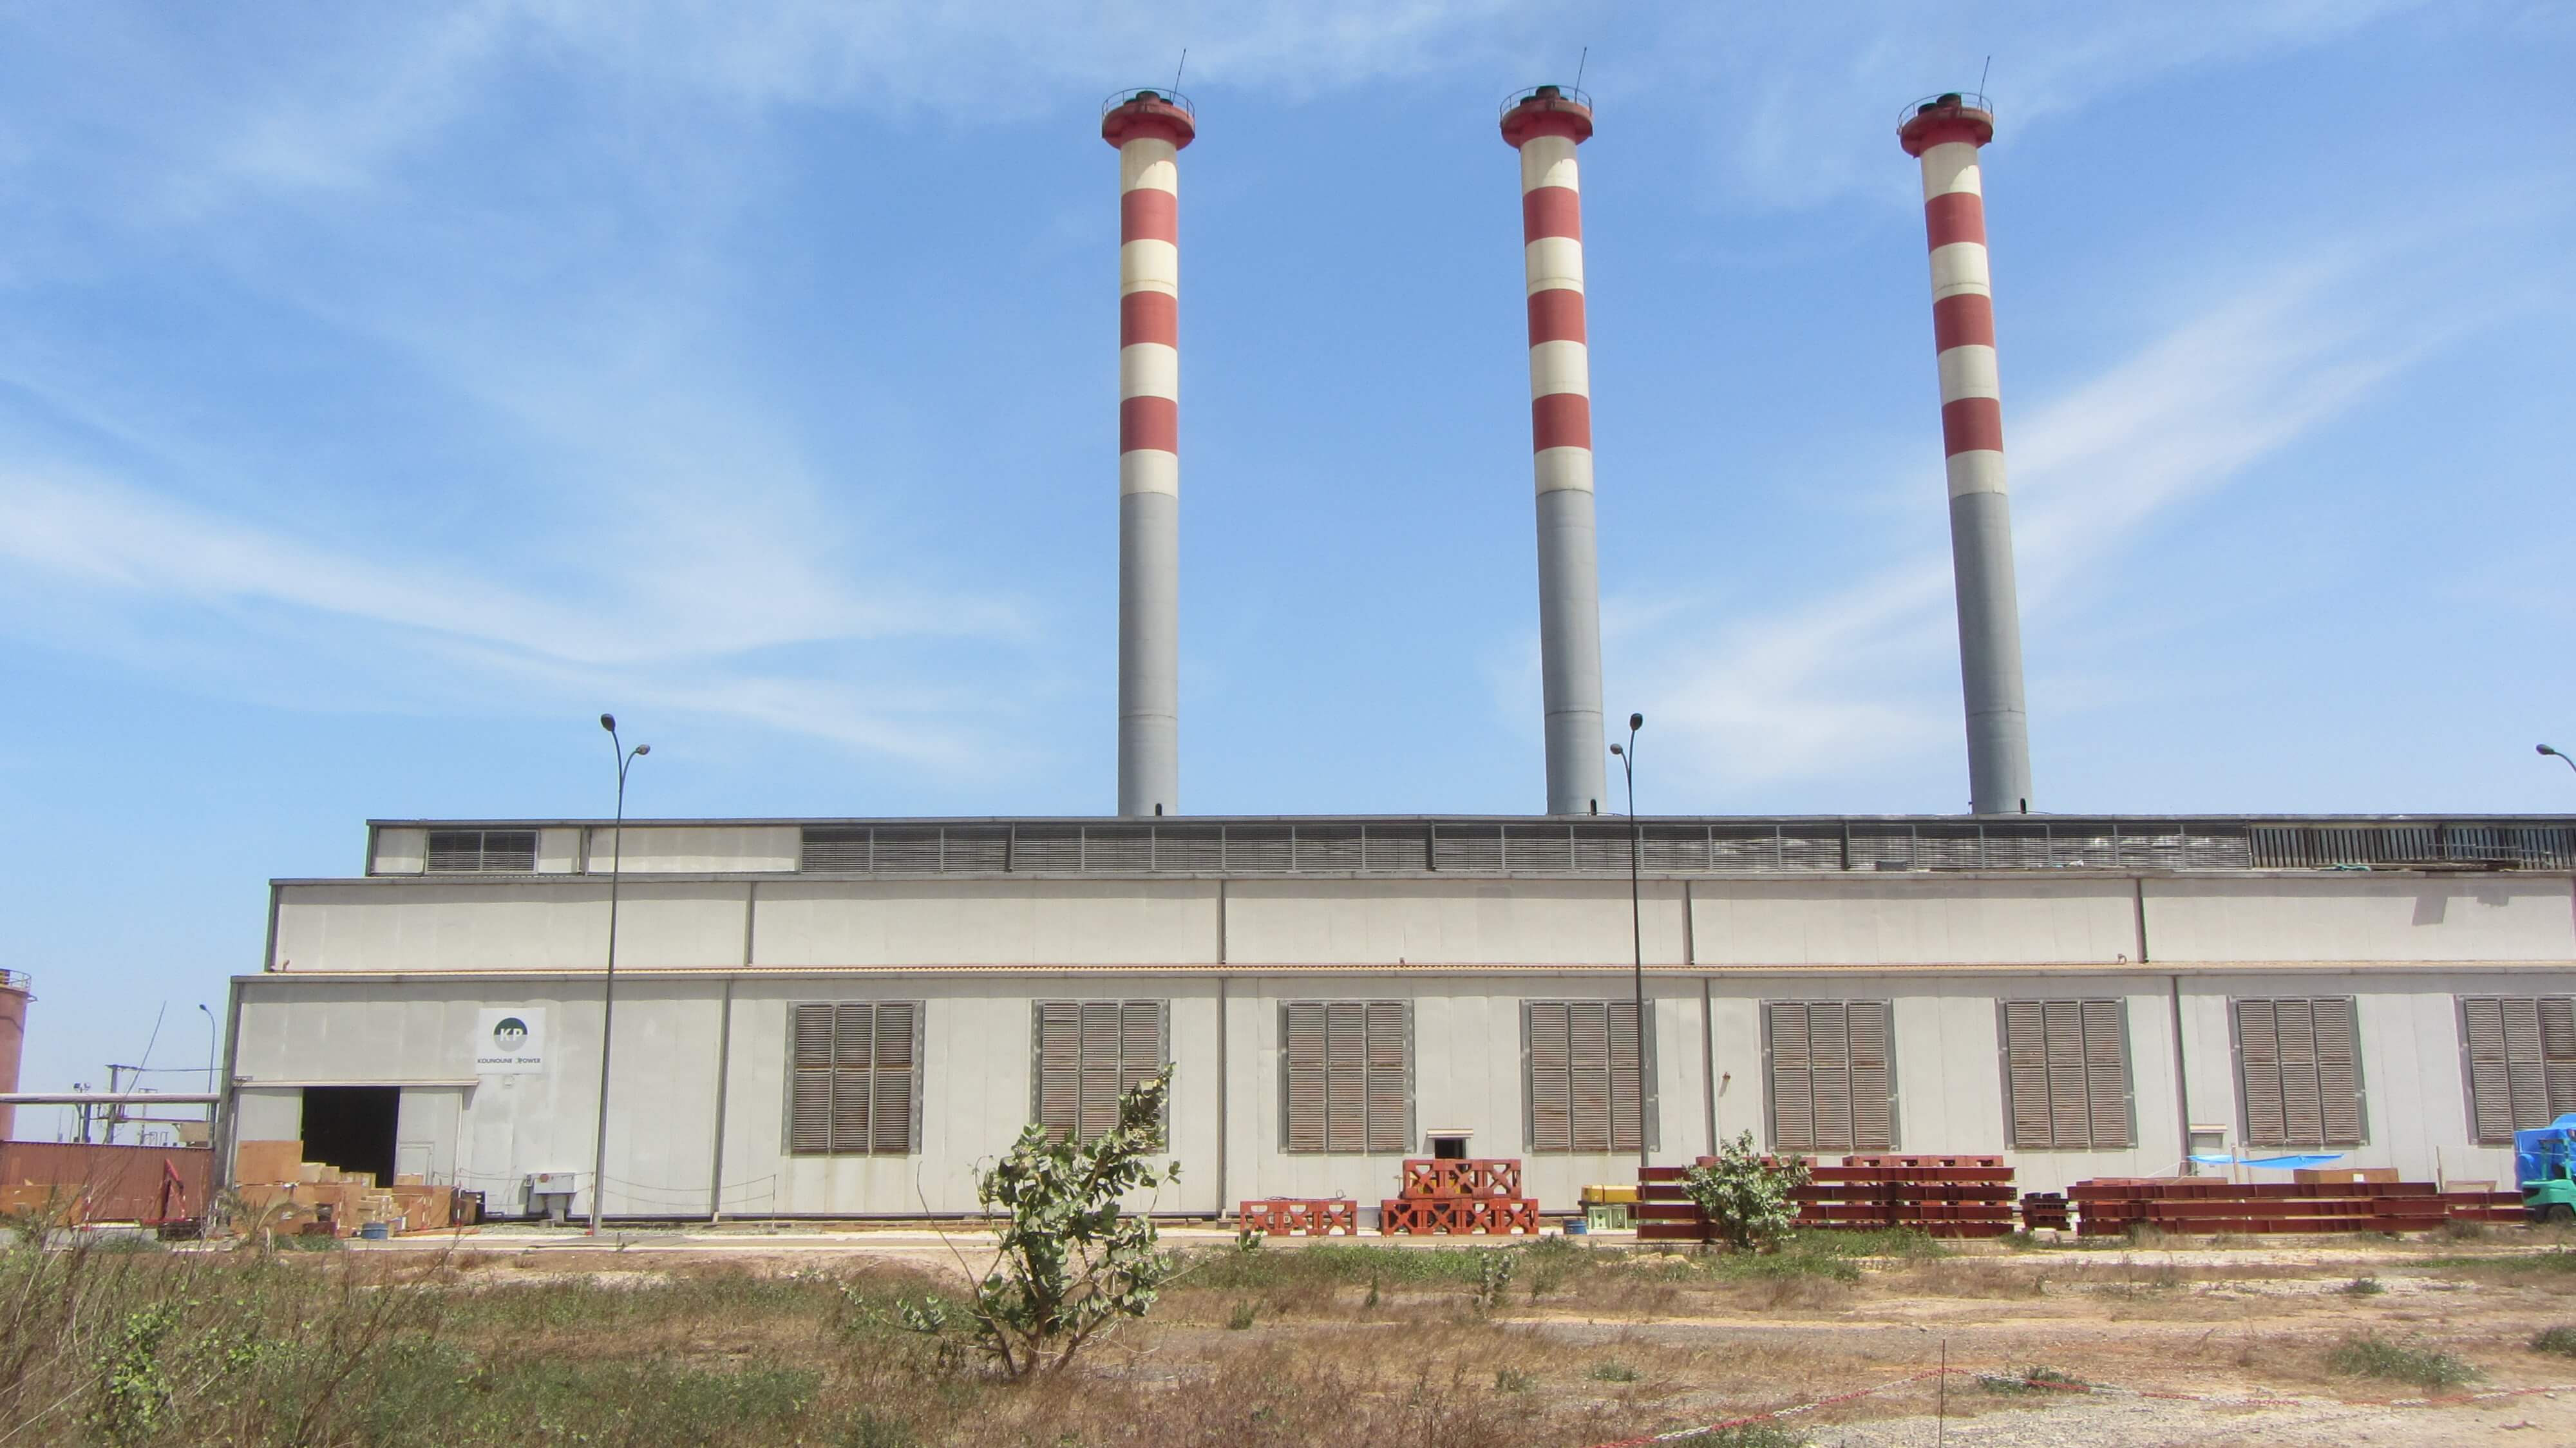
[{"x": 509, "y": 1040}]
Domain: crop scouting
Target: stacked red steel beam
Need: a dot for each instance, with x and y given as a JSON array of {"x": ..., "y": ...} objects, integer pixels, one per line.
[
  {"x": 2111, "y": 1206},
  {"x": 1292, "y": 1216},
  {"x": 2045, "y": 1209},
  {"x": 1457, "y": 1196},
  {"x": 1944, "y": 1196}
]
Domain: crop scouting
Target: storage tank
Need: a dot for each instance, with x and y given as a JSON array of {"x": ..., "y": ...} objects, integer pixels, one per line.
[{"x": 13, "y": 1036}]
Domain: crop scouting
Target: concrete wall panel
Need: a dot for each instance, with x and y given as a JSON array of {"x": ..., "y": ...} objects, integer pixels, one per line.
[
  {"x": 1435, "y": 922},
  {"x": 2357, "y": 916},
  {"x": 494, "y": 925},
  {"x": 1912, "y": 920},
  {"x": 987, "y": 922}
]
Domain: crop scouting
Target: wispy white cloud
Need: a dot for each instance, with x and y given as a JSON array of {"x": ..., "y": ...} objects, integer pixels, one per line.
[
  {"x": 1868, "y": 671},
  {"x": 1802, "y": 105}
]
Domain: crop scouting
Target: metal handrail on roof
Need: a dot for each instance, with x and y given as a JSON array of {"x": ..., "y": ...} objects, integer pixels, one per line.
[
  {"x": 1946, "y": 100},
  {"x": 13, "y": 980},
  {"x": 1171, "y": 98},
  {"x": 1529, "y": 93}
]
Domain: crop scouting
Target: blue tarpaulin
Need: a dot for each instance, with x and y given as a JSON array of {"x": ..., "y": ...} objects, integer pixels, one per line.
[{"x": 2212, "y": 1158}]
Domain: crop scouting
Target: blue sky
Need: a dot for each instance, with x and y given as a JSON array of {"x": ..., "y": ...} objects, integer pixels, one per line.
[{"x": 383, "y": 395}]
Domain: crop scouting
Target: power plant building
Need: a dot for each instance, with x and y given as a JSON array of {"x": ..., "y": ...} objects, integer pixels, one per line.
[{"x": 843, "y": 1017}]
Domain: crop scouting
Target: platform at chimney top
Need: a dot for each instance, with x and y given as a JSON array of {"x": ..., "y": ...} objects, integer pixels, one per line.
[
  {"x": 1129, "y": 114},
  {"x": 1949, "y": 116},
  {"x": 1547, "y": 110}
]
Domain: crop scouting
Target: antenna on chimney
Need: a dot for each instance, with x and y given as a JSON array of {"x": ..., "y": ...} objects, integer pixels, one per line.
[
  {"x": 1185, "y": 61},
  {"x": 1580, "y": 62}
]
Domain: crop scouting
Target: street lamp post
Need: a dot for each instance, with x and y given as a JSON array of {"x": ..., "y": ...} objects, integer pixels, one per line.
[
  {"x": 2554, "y": 754},
  {"x": 608, "y": 989},
  {"x": 1636, "y": 925}
]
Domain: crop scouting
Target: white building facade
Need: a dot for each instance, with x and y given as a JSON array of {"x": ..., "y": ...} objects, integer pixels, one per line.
[{"x": 842, "y": 1018}]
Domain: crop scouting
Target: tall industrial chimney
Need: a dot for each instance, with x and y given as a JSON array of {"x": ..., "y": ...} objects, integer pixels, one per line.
[
  {"x": 1545, "y": 125},
  {"x": 1149, "y": 128},
  {"x": 1945, "y": 132}
]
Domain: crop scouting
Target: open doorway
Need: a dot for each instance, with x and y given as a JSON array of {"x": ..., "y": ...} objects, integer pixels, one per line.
[{"x": 352, "y": 1128}]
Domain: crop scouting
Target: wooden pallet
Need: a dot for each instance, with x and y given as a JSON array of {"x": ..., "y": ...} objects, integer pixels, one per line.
[
  {"x": 1300, "y": 1216},
  {"x": 1458, "y": 1216},
  {"x": 1460, "y": 1177}
]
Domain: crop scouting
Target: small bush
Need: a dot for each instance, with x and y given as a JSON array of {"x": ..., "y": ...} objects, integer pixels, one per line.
[
  {"x": 2369, "y": 1355},
  {"x": 2558, "y": 1340},
  {"x": 2033, "y": 1379},
  {"x": 1513, "y": 1380},
  {"x": 2362, "y": 1287},
  {"x": 1241, "y": 1317},
  {"x": 1612, "y": 1371},
  {"x": 1493, "y": 1277}
]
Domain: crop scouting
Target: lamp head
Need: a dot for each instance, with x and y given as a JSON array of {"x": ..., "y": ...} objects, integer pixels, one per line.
[
  {"x": 608, "y": 722},
  {"x": 1636, "y": 722},
  {"x": 1615, "y": 749},
  {"x": 643, "y": 748},
  {"x": 2545, "y": 749}
]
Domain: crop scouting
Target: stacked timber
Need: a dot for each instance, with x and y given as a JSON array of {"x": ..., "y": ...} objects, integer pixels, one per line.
[
  {"x": 1942, "y": 1196},
  {"x": 1455, "y": 1196},
  {"x": 2112, "y": 1206}
]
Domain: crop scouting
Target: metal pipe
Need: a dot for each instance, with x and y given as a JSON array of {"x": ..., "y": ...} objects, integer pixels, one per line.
[
  {"x": 1149, "y": 129},
  {"x": 1545, "y": 126},
  {"x": 1945, "y": 133}
]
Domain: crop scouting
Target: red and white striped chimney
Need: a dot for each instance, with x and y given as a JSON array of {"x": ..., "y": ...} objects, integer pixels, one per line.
[
  {"x": 1149, "y": 128},
  {"x": 1545, "y": 125},
  {"x": 1945, "y": 133}
]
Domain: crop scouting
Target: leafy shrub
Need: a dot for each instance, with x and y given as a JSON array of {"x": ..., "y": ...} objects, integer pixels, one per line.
[
  {"x": 1240, "y": 1318},
  {"x": 1070, "y": 1261},
  {"x": 1612, "y": 1371},
  {"x": 1748, "y": 1198},
  {"x": 2558, "y": 1340},
  {"x": 2368, "y": 1355},
  {"x": 1512, "y": 1380},
  {"x": 1493, "y": 1277},
  {"x": 2362, "y": 1287}
]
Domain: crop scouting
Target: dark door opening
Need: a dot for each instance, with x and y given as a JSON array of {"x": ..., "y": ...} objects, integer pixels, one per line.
[{"x": 352, "y": 1128}]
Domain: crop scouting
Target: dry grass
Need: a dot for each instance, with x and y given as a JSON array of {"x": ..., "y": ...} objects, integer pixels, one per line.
[{"x": 1340, "y": 1342}]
